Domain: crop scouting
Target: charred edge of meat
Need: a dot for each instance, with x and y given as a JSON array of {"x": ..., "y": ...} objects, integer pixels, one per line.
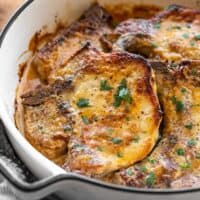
[
  {"x": 92, "y": 20},
  {"x": 179, "y": 13},
  {"x": 38, "y": 96}
]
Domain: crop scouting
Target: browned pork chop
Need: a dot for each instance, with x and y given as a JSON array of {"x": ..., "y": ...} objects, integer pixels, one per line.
[
  {"x": 177, "y": 155},
  {"x": 173, "y": 35},
  {"x": 56, "y": 53},
  {"x": 108, "y": 107}
]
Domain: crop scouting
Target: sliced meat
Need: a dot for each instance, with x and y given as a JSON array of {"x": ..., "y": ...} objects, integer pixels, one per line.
[
  {"x": 172, "y": 35},
  {"x": 177, "y": 153},
  {"x": 69, "y": 41},
  {"x": 118, "y": 114}
]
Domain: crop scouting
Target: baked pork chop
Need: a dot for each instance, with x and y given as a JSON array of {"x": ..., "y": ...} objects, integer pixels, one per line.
[
  {"x": 56, "y": 53},
  {"x": 172, "y": 35},
  {"x": 177, "y": 155},
  {"x": 108, "y": 106}
]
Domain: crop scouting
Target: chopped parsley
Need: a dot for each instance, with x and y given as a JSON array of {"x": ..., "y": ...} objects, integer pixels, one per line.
[
  {"x": 192, "y": 43},
  {"x": 185, "y": 35},
  {"x": 136, "y": 139},
  {"x": 157, "y": 25},
  {"x": 176, "y": 27},
  {"x": 122, "y": 94},
  {"x": 154, "y": 45},
  {"x": 116, "y": 140},
  {"x": 189, "y": 126},
  {"x": 85, "y": 120},
  {"x": 104, "y": 86},
  {"x": 67, "y": 128},
  {"x": 180, "y": 152},
  {"x": 150, "y": 180},
  {"x": 151, "y": 161},
  {"x": 110, "y": 130},
  {"x": 127, "y": 119},
  {"x": 179, "y": 104},
  {"x": 194, "y": 72},
  {"x": 197, "y": 155},
  {"x": 173, "y": 99},
  {"x": 197, "y": 37},
  {"x": 82, "y": 103},
  {"x": 174, "y": 65},
  {"x": 40, "y": 127},
  {"x": 79, "y": 147},
  {"x": 183, "y": 90},
  {"x": 143, "y": 168},
  {"x": 129, "y": 172},
  {"x": 185, "y": 165},
  {"x": 99, "y": 148},
  {"x": 191, "y": 142},
  {"x": 119, "y": 154}
]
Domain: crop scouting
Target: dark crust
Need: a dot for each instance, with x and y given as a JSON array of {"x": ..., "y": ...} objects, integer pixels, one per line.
[
  {"x": 94, "y": 18},
  {"x": 38, "y": 96},
  {"x": 142, "y": 26},
  {"x": 179, "y": 13}
]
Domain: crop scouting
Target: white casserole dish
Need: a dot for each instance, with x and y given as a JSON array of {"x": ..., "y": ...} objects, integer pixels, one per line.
[{"x": 14, "y": 40}]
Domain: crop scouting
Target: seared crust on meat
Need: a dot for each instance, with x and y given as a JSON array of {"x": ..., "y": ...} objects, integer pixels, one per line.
[
  {"x": 119, "y": 136},
  {"x": 171, "y": 36},
  {"x": 58, "y": 51},
  {"x": 117, "y": 126},
  {"x": 177, "y": 154},
  {"x": 98, "y": 114}
]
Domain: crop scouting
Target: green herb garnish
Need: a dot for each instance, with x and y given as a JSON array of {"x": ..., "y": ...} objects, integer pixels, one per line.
[
  {"x": 157, "y": 25},
  {"x": 192, "y": 43},
  {"x": 119, "y": 154},
  {"x": 150, "y": 180},
  {"x": 183, "y": 90},
  {"x": 180, "y": 152},
  {"x": 129, "y": 172},
  {"x": 185, "y": 35},
  {"x": 176, "y": 27},
  {"x": 110, "y": 130},
  {"x": 136, "y": 139},
  {"x": 67, "y": 128},
  {"x": 116, "y": 140},
  {"x": 154, "y": 45},
  {"x": 82, "y": 103},
  {"x": 143, "y": 169},
  {"x": 185, "y": 165},
  {"x": 197, "y": 155},
  {"x": 79, "y": 147},
  {"x": 85, "y": 120},
  {"x": 104, "y": 86},
  {"x": 179, "y": 104},
  {"x": 191, "y": 142},
  {"x": 151, "y": 161},
  {"x": 197, "y": 37},
  {"x": 122, "y": 94},
  {"x": 194, "y": 72},
  {"x": 189, "y": 126},
  {"x": 99, "y": 148}
]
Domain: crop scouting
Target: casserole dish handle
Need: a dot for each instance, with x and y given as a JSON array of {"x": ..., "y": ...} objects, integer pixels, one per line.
[{"x": 15, "y": 184}]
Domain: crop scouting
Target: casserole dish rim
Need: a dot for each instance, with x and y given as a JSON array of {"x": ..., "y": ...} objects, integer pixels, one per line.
[{"x": 62, "y": 175}]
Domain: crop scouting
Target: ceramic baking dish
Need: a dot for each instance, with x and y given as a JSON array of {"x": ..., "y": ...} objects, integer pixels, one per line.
[{"x": 31, "y": 17}]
